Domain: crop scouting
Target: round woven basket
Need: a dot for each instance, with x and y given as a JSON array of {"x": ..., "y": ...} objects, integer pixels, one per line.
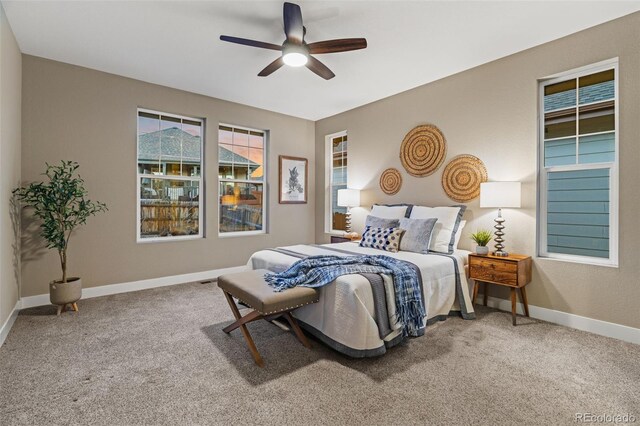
[
  {"x": 423, "y": 150},
  {"x": 390, "y": 181},
  {"x": 462, "y": 177}
]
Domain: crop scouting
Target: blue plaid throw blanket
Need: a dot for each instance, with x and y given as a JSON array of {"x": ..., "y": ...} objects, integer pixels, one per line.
[{"x": 318, "y": 271}]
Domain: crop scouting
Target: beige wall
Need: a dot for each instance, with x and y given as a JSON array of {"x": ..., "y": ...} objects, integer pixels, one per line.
[
  {"x": 10, "y": 98},
  {"x": 490, "y": 111},
  {"x": 90, "y": 117}
]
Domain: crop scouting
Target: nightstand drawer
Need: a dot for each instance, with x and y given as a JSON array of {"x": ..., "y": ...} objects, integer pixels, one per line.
[
  {"x": 337, "y": 239},
  {"x": 494, "y": 274},
  {"x": 494, "y": 264}
]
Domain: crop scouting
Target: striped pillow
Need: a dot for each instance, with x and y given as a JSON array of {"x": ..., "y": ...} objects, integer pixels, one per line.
[{"x": 387, "y": 239}]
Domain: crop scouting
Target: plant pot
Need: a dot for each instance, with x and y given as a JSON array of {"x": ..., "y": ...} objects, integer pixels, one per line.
[
  {"x": 484, "y": 250},
  {"x": 62, "y": 294}
]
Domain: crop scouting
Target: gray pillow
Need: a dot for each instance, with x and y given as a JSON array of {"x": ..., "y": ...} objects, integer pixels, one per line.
[
  {"x": 417, "y": 234},
  {"x": 379, "y": 222}
]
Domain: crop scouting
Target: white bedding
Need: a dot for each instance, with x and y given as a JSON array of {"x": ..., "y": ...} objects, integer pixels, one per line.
[{"x": 344, "y": 317}]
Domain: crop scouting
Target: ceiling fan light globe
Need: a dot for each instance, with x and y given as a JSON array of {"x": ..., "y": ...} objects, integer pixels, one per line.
[
  {"x": 294, "y": 55},
  {"x": 295, "y": 59}
]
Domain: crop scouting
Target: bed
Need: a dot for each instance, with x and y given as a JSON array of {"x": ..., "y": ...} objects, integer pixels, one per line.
[{"x": 345, "y": 318}]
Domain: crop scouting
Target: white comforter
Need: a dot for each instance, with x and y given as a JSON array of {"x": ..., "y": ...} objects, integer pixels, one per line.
[{"x": 344, "y": 317}]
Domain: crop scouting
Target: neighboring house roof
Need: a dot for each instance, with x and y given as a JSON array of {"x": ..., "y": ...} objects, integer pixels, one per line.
[
  {"x": 227, "y": 157},
  {"x": 171, "y": 142},
  {"x": 588, "y": 94}
]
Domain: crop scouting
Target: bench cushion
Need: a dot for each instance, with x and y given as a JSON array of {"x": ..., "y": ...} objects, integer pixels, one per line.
[{"x": 252, "y": 289}]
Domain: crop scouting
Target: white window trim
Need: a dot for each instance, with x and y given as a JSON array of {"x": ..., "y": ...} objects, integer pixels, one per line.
[
  {"x": 201, "y": 194},
  {"x": 265, "y": 198},
  {"x": 612, "y": 261},
  {"x": 328, "y": 178}
]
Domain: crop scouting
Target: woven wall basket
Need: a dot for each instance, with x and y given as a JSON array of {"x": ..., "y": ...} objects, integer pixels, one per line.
[
  {"x": 461, "y": 178},
  {"x": 423, "y": 150},
  {"x": 390, "y": 181}
]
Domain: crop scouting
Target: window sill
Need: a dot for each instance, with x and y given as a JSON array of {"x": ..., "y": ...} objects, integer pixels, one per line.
[
  {"x": 587, "y": 262},
  {"x": 168, "y": 239},
  {"x": 240, "y": 234}
]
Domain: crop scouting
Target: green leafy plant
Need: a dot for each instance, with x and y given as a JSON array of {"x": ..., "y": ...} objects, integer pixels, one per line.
[
  {"x": 482, "y": 237},
  {"x": 61, "y": 204}
]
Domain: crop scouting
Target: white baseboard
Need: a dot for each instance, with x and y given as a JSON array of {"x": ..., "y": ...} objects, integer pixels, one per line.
[
  {"x": 603, "y": 328},
  {"x": 6, "y": 327},
  {"x": 105, "y": 290}
]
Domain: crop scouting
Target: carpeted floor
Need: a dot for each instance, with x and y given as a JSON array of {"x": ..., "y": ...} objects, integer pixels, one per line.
[{"x": 159, "y": 357}]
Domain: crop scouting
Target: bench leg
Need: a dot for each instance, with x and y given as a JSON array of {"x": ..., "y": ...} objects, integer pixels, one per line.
[
  {"x": 296, "y": 329},
  {"x": 245, "y": 331},
  {"x": 250, "y": 317}
]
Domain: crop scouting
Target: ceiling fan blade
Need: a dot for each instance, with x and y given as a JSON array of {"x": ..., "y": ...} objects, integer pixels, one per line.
[
  {"x": 319, "y": 68},
  {"x": 334, "y": 46},
  {"x": 252, "y": 43},
  {"x": 293, "y": 27},
  {"x": 273, "y": 66}
]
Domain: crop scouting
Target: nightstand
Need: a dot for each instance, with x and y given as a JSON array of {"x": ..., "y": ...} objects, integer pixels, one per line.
[
  {"x": 513, "y": 271},
  {"x": 339, "y": 239}
]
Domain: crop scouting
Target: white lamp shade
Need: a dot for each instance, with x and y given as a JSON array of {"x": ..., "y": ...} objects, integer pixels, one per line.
[
  {"x": 500, "y": 194},
  {"x": 348, "y": 198}
]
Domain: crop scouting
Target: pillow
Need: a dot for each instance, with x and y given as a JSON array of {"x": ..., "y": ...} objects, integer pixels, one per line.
[
  {"x": 382, "y": 238},
  {"x": 448, "y": 223},
  {"x": 379, "y": 222},
  {"x": 459, "y": 234},
  {"x": 395, "y": 211},
  {"x": 417, "y": 234}
]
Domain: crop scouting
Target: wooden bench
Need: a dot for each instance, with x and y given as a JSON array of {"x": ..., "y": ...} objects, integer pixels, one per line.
[{"x": 251, "y": 288}]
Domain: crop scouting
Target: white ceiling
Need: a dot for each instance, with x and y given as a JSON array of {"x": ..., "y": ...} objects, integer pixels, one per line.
[{"x": 411, "y": 43}]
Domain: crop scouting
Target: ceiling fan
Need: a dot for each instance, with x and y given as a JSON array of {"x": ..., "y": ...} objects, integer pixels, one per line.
[{"x": 295, "y": 51}]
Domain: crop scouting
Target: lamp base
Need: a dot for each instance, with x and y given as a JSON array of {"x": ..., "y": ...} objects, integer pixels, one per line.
[
  {"x": 498, "y": 236},
  {"x": 347, "y": 228}
]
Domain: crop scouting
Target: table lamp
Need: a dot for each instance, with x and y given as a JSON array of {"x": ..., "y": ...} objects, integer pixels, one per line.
[
  {"x": 500, "y": 195},
  {"x": 348, "y": 198}
]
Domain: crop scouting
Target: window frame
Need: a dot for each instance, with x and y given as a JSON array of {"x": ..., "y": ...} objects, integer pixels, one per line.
[
  {"x": 613, "y": 167},
  {"x": 328, "y": 179},
  {"x": 265, "y": 198},
  {"x": 200, "y": 178}
]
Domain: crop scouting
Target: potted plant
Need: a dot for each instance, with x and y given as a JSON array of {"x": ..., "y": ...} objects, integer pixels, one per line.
[
  {"x": 482, "y": 237},
  {"x": 62, "y": 206}
]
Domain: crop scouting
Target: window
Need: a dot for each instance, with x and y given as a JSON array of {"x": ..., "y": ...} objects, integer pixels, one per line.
[
  {"x": 336, "y": 178},
  {"x": 241, "y": 175},
  {"x": 169, "y": 176},
  {"x": 578, "y": 174}
]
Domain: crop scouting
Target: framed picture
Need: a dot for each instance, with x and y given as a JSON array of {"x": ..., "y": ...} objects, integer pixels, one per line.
[{"x": 293, "y": 180}]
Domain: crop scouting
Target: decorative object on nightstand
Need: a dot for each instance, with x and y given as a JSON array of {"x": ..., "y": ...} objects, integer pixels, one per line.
[
  {"x": 481, "y": 237},
  {"x": 513, "y": 271},
  {"x": 348, "y": 198},
  {"x": 500, "y": 195}
]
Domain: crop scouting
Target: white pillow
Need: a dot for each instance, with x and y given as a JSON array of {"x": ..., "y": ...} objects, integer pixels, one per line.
[
  {"x": 444, "y": 233},
  {"x": 459, "y": 234},
  {"x": 389, "y": 212}
]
